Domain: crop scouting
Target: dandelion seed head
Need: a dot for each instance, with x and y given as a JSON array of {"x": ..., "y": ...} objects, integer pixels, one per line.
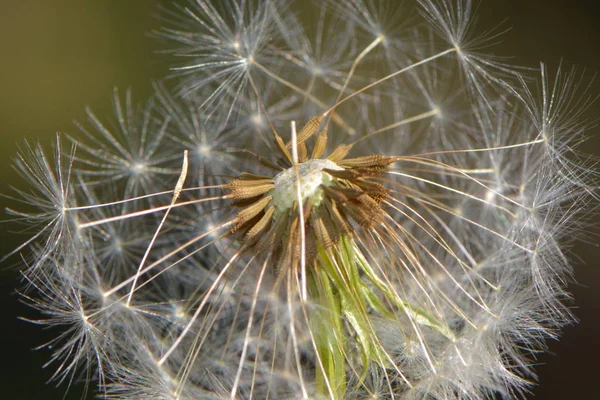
[{"x": 407, "y": 243}]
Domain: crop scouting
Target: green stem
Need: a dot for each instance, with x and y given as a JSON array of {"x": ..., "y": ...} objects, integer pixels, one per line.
[{"x": 346, "y": 292}]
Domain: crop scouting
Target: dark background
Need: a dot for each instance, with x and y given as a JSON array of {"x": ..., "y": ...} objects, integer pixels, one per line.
[{"x": 59, "y": 56}]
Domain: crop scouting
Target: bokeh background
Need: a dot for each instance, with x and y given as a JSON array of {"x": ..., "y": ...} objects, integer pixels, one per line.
[{"x": 58, "y": 56}]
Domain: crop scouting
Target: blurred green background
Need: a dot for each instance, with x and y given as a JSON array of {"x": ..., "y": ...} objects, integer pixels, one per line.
[{"x": 60, "y": 55}]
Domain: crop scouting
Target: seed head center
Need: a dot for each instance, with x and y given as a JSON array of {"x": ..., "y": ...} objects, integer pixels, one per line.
[{"x": 311, "y": 177}]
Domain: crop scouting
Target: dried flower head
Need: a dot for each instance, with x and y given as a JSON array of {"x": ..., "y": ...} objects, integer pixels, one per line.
[{"x": 405, "y": 242}]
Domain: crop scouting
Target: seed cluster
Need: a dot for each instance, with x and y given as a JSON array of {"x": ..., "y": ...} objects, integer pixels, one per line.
[
  {"x": 337, "y": 193},
  {"x": 420, "y": 257}
]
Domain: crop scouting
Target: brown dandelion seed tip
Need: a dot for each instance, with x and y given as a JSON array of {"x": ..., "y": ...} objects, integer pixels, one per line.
[
  {"x": 283, "y": 149},
  {"x": 248, "y": 186},
  {"x": 320, "y": 144},
  {"x": 272, "y": 238},
  {"x": 374, "y": 162},
  {"x": 307, "y": 131},
  {"x": 259, "y": 227},
  {"x": 340, "y": 153},
  {"x": 249, "y": 176},
  {"x": 250, "y": 212},
  {"x": 340, "y": 222},
  {"x": 345, "y": 174}
]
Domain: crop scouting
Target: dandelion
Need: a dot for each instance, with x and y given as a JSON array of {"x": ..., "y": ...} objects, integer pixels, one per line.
[{"x": 352, "y": 203}]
